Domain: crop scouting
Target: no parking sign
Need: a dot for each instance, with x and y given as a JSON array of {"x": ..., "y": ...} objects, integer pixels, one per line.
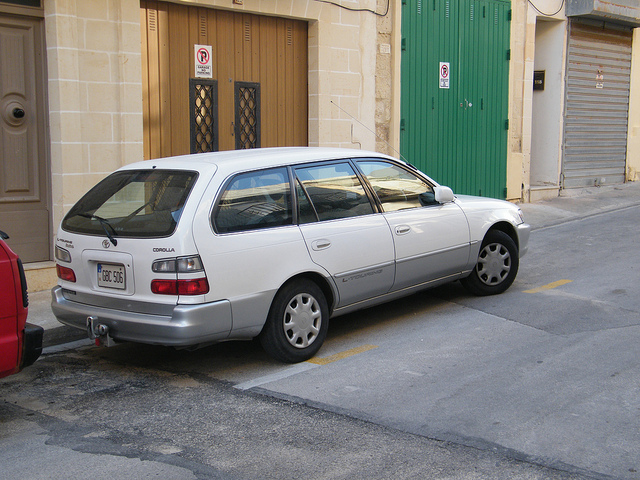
[
  {"x": 444, "y": 74},
  {"x": 204, "y": 62}
]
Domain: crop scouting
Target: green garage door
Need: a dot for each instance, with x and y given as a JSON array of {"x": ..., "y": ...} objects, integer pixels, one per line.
[{"x": 455, "y": 69}]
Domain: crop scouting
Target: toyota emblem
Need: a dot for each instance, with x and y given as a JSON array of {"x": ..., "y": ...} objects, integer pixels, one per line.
[{"x": 105, "y": 243}]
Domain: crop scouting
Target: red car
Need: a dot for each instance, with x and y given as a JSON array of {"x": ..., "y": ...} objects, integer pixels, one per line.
[{"x": 20, "y": 342}]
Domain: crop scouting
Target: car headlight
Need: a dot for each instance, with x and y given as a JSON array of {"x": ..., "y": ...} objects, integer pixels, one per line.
[{"x": 520, "y": 216}]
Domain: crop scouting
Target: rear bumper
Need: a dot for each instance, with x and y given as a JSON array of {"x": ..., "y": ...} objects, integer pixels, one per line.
[
  {"x": 186, "y": 326},
  {"x": 32, "y": 346}
]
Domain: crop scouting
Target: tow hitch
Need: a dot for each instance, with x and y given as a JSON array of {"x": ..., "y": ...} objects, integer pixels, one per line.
[{"x": 99, "y": 332}]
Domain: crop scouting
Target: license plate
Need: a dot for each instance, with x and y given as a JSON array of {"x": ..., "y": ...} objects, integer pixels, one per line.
[{"x": 111, "y": 276}]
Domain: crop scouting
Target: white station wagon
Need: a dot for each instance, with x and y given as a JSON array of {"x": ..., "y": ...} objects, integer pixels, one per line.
[{"x": 269, "y": 243}]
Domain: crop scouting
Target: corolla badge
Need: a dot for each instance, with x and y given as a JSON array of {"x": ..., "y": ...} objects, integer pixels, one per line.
[{"x": 105, "y": 243}]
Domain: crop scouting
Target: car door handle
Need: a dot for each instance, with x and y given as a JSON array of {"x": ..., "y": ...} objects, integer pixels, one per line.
[
  {"x": 402, "y": 229},
  {"x": 320, "y": 244}
]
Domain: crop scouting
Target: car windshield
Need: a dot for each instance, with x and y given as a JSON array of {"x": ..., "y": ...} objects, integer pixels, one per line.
[{"x": 133, "y": 203}]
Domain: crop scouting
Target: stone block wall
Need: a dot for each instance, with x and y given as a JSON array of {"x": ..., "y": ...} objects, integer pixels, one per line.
[
  {"x": 95, "y": 93},
  {"x": 95, "y": 88}
]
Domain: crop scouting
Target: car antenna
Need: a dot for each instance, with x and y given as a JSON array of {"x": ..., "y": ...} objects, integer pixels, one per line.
[{"x": 374, "y": 133}]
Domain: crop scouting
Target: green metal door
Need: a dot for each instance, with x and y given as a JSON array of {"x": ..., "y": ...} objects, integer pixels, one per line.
[{"x": 455, "y": 69}]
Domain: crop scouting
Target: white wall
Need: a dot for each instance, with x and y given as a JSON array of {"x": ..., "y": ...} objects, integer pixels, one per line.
[{"x": 548, "y": 104}]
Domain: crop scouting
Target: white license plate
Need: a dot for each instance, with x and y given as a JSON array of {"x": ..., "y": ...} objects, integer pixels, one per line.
[{"x": 111, "y": 276}]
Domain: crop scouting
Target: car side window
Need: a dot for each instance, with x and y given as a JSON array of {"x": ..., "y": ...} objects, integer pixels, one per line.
[
  {"x": 254, "y": 200},
  {"x": 334, "y": 191},
  {"x": 397, "y": 188}
]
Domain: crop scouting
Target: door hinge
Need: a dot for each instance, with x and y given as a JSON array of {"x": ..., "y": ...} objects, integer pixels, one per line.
[
  {"x": 509, "y": 15},
  {"x": 404, "y": 43},
  {"x": 504, "y": 193},
  {"x": 509, "y": 54},
  {"x": 402, "y": 124},
  {"x": 506, "y": 124}
]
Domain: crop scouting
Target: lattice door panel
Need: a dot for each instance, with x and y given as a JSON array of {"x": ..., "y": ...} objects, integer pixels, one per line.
[
  {"x": 247, "y": 106},
  {"x": 203, "y": 101}
]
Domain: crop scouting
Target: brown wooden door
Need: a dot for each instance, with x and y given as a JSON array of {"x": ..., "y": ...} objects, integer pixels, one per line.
[
  {"x": 258, "y": 93},
  {"x": 24, "y": 182}
]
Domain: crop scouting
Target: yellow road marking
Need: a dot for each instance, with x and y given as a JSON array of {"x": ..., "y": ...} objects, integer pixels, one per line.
[
  {"x": 339, "y": 356},
  {"x": 559, "y": 283}
]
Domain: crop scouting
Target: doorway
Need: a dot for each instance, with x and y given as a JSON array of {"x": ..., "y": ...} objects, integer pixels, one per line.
[
  {"x": 547, "y": 104},
  {"x": 24, "y": 180},
  {"x": 454, "y": 106},
  {"x": 254, "y": 92}
]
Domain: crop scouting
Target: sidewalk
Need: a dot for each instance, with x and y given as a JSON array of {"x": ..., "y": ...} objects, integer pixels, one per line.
[
  {"x": 580, "y": 203},
  {"x": 571, "y": 205}
]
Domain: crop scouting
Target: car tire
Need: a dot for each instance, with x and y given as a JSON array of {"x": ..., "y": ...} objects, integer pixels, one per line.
[
  {"x": 496, "y": 267},
  {"x": 297, "y": 323}
]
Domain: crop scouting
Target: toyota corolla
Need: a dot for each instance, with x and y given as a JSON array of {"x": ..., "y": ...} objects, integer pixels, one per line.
[{"x": 269, "y": 243}]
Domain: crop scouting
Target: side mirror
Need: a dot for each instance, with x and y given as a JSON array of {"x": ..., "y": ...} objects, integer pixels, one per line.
[{"x": 443, "y": 194}]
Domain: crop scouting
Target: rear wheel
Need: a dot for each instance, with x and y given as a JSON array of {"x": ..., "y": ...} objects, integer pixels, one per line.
[
  {"x": 496, "y": 267},
  {"x": 297, "y": 323}
]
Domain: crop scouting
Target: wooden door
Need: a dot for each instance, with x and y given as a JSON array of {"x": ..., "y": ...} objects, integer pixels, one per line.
[
  {"x": 24, "y": 182},
  {"x": 257, "y": 96}
]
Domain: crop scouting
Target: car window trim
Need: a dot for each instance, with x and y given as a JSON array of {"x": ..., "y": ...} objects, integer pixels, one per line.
[
  {"x": 297, "y": 182},
  {"x": 293, "y": 178}
]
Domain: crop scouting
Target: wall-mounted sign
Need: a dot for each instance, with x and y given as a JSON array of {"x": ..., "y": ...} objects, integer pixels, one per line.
[
  {"x": 204, "y": 61},
  {"x": 538, "y": 80},
  {"x": 600, "y": 79},
  {"x": 444, "y": 74}
]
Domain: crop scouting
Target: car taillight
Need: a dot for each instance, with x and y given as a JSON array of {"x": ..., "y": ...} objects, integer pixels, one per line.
[
  {"x": 164, "y": 287},
  {"x": 193, "y": 286},
  {"x": 65, "y": 273},
  {"x": 197, "y": 286},
  {"x": 189, "y": 264}
]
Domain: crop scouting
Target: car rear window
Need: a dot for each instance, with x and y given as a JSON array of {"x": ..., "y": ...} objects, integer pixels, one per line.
[{"x": 132, "y": 203}]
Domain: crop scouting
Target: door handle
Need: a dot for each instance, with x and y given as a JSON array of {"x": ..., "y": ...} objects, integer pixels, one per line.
[
  {"x": 402, "y": 229},
  {"x": 18, "y": 113},
  {"x": 320, "y": 244}
]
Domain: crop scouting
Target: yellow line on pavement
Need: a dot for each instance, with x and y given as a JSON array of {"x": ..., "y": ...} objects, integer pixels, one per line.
[
  {"x": 339, "y": 356},
  {"x": 559, "y": 283}
]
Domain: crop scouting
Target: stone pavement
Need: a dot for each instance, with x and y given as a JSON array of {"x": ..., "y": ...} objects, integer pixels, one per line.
[{"x": 570, "y": 205}]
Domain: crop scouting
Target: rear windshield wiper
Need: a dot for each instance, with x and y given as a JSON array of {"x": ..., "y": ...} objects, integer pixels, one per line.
[{"x": 104, "y": 223}]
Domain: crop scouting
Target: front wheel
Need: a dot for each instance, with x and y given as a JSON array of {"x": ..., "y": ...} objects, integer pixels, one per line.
[
  {"x": 297, "y": 323},
  {"x": 497, "y": 265}
]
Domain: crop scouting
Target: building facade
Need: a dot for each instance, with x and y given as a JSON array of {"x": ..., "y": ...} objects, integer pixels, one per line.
[{"x": 90, "y": 85}]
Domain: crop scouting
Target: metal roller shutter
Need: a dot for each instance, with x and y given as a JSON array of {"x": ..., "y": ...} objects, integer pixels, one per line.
[{"x": 597, "y": 105}]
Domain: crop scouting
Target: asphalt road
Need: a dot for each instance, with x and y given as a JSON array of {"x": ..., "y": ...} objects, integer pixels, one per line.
[{"x": 541, "y": 382}]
